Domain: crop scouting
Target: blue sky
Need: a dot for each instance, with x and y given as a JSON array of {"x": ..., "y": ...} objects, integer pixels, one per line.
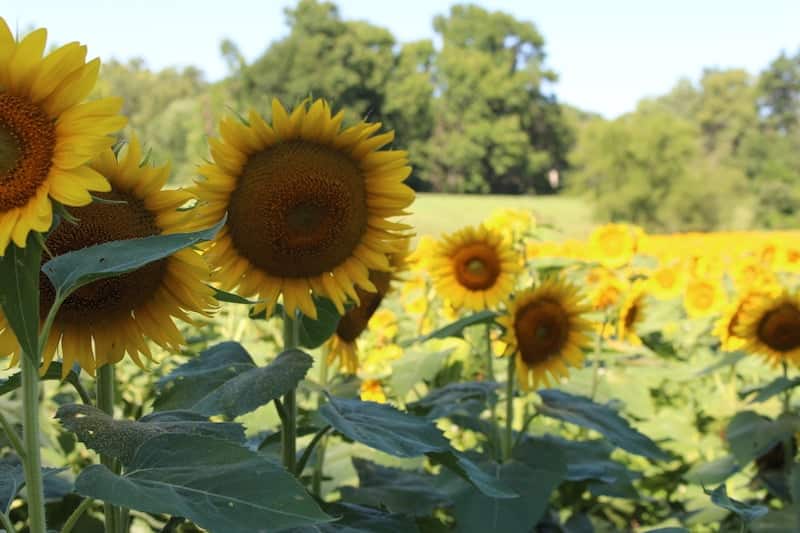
[{"x": 608, "y": 53}]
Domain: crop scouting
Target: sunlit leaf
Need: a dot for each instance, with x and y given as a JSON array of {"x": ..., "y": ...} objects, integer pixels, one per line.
[
  {"x": 19, "y": 292},
  {"x": 747, "y": 512}
]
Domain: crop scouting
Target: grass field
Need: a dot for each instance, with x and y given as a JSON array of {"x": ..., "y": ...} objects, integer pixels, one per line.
[{"x": 440, "y": 213}]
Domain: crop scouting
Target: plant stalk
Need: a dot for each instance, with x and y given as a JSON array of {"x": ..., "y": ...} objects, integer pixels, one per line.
[
  {"x": 32, "y": 461},
  {"x": 13, "y": 437},
  {"x": 508, "y": 442},
  {"x": 319, "y": 461},
  {"x": 495, "y": 437},
  {"x": 76, "y": 515},
  {"x": 598, "y": 343},
  {"x": 291, "y": 335},
  {"x": 105, "y": 402}
]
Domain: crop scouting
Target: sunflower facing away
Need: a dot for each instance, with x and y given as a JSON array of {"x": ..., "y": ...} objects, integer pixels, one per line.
[
  {"x": 546, "y": 329},
  {"x": 631, "y": 314},
  {"x": 342, "y": 345},
  {"x": 46, "y": 134},
  {"x": 308, "y": 205},
  {"x": 725, "y": 327},
  {"x": 474, "y": 268},
  {"x": 770, "y": 327},
  {"x": 102, "y": 321}
]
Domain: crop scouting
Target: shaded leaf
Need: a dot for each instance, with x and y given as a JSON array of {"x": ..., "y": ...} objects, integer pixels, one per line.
[
  {"x": 359, "y": 519},
  {"x": 189, "y": 383},
  {"x": 713, "y": 472},
  {"x": 313, "y": 333},
  {"x": 746, "y": 512},
  {"x": 253, "y": 388},
  {"x": 751, "y": 435},
  {"x": 468, "y": 470},
  {"x": 229, "y": 297},
  {"x": 219, "y": 485},
  {"x": 12, "y": 479},
  {"x": 466, "y": 398},
  {"x": 584, "y": 412},
  {"x": 53, "y": 373},
  {"x": 775, "y": 387},
  {"x": 121, "y": 438},
  {"x": 456, "y": 329},
  {"x": 19, "y": 291},
  {"x": 75, "y": 269},
  {"x": 586, "y": 460}
]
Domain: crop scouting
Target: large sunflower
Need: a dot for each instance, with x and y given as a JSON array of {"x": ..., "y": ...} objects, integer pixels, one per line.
[
  {"x": 46, "y": 134},
  {"x": 102, "y": 321},
  {"x": 546, "y": 328},
  {"x": 308, "y": 205},
  {"x": 474, "y": 268},
  {"x": 343, "y": 346},
  {"x": 725, "y": 327},
  {"x": 770, "y": 327},
  {"x": 631, "y": 314}
]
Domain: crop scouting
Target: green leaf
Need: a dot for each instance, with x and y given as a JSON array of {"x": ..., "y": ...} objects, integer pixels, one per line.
[
  {"x": 12, "y": 479},
  {"x": 668, "y": 530},
  {"x": 219, "y": 485},
  {"x": 584, "y": 412},
  {"x": 384, "y": 428},
  {"x": 586, "y": 460},
  {"x": 775, "y": 387},
  {"x": 358, "y": 519},
  {"x": 313, "y": 333},
  {"x": 534, "y": 480},
  {"x": 256, "y": 387},
  {"x": 19, "y": 291},
  {"x": 713, "y": 472},
  {"x": 724, "y": 362},
  {"x": 466, "y": 398},
  {"x": 746, "y": 512},
  {"x": 53, "y": 373},
  {"x": 75, "y": 269},
  {"x": 468, "y": 470},
  {"x": 121, "y": 438},
  {"x": 229, "y": 297},
  {"x": 456, "y": 329},
  {"x": 783, "y": 520},
  {"x": 751, "y": 435},
  {"x": 414, "y": 367},
  {"x": 189, "y": 383},
  {"x": 400, "y": 491}
]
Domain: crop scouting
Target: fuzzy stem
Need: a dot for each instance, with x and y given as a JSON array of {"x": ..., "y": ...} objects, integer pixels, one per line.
[
  {"x": 508, "y": 443},
  {"x": 494, "y": 438},
  {"x": 13, "y": 437},
  {"x": 76, "y": 515},
  {"x": 598, "y": 343},
  {"x": 289, "y": 430},
  {"x": 32, "y": 461},
  {"x": 319, "y": 461},
  {"x": 105, "y": 402}
]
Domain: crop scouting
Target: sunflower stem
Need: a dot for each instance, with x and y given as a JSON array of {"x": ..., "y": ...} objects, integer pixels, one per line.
[
  {"x": 13, "y": 437},
  {"x": 494, "y": 438},
  {"x": 105, "y": 402},
  {"x": 508, "y": 442},
  {"x": 319, "y": 460},
  {"x": 32, "y": 460},
  {"x": 598, "y": 344},
  {"x": 787, "y": 394},
  {"x": 291, "y": 334},
  {"x": 76, "y": 515},
  {"x": 5, "y": 521}
]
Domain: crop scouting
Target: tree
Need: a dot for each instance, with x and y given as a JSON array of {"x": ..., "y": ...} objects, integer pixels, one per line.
[{"x": 779, "y": 93}]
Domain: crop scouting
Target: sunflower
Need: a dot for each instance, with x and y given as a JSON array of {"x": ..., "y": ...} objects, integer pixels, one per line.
[
  {"x": 342, "y": 346},
  {"x": 614, "y": 245},
  {"x": 474, "y": 268},
  {"x": 704, "y": 297},
  {"x": 608, "y": 292},
  {"x": 770, "y": 327},
  {"x": 372, "y": 391},
  {"x": 308, "y": 205},
  {"x": 631, "y": 314},
  {"x": 546, "y": 329},
  {"x": 514, "y": 223},
  {"x": 46, "y": 134},
  {"x": 725, "y": 327},
  {"x": 666, "y": 282},
  {"x": 102, "y": 321}
]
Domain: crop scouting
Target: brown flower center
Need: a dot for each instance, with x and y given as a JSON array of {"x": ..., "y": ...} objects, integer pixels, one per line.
[
  {"x": 780, "y": 328},
  {"x": 355, "y": 320},
  {"x": 299, "y": 209},
  {"x": 100, "y": 223},
  {"x": 542, "y": 330},
  {"x": 631, "y": 315},
  {"x": 27, "y": 144},
  {"x": 477, "y": 266}
]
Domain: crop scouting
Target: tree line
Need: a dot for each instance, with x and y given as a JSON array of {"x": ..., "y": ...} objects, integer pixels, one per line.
[{"x": 478, "y": 115}]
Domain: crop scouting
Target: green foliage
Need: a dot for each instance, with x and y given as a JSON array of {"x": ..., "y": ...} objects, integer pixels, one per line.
[
  {"x": 19, "y": 292},
  {"x": 747, "y": 512}
]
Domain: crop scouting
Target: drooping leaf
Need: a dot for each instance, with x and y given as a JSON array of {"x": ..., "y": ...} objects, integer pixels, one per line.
[
  {"x": 229, "y": 297},
  {"x": 746, "y": 512},
  {"x": 352, "y": 518},
  {"x": 586, "y": 460},
  {"x": 751, "y": 435},
  {"x": 75, "y": 269},
  {"x": 456, "y": 329},
  {"x": 726, "y": 361},
  {"x": 714, "y": 472},
  {"x": 773, "y": 388},
  {"x": 466, "y": 398},
  {"x": 313, "y": 333},
  {"x": 219, "y": 485},
  {"x": 400, "y": 491},
  {"x": 191, "y": 382},
  {"x": 414, "y": 367},
  {"x": 12, "y": 479},
  {"x": 389, "y": 430},
  {"x": 253, "y": 388},
  {"x": 53, "y": 373},
  {"x": 121, "y": 438},
  {"x": 19, "y": 292},
  {"x": 584, "y": 412}
]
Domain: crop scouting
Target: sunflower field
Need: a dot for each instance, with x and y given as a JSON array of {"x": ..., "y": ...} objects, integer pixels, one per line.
[{"x": 276, "y": 348}]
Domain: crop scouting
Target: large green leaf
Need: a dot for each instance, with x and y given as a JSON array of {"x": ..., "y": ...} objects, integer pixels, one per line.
[
  {"x": 414, "y": 367},
  {"x": 191, "y": 382},
  {"x": 773, "y": 388},
  {"x": 456, "y": 329},
  {"x": 746, "y": 512},
  {"x": 19, "y": 291},
  {"x": 12, "y": 479},
  {"x": 256, "y": 387},
  {"x": 400, "y": 491},
  {"x": 586, "y": 413},
  {"x": 534, "y": 480},
  {"x": 586, "y": 460},
  {"x": 389, "y": 430},
  {"x": 219, "y": 485},
  {"x": 751, "y": 435},
  {"x": 313, "y": 333},
  {"x": 75, "y": 269},
  {"x": 713, "y": 472},
  {"x": 359, "y": 519},
  {"x": 121, "y": 438},
  {"x": 53, "y": 372},
  {"x": 466, "y": 398}
]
